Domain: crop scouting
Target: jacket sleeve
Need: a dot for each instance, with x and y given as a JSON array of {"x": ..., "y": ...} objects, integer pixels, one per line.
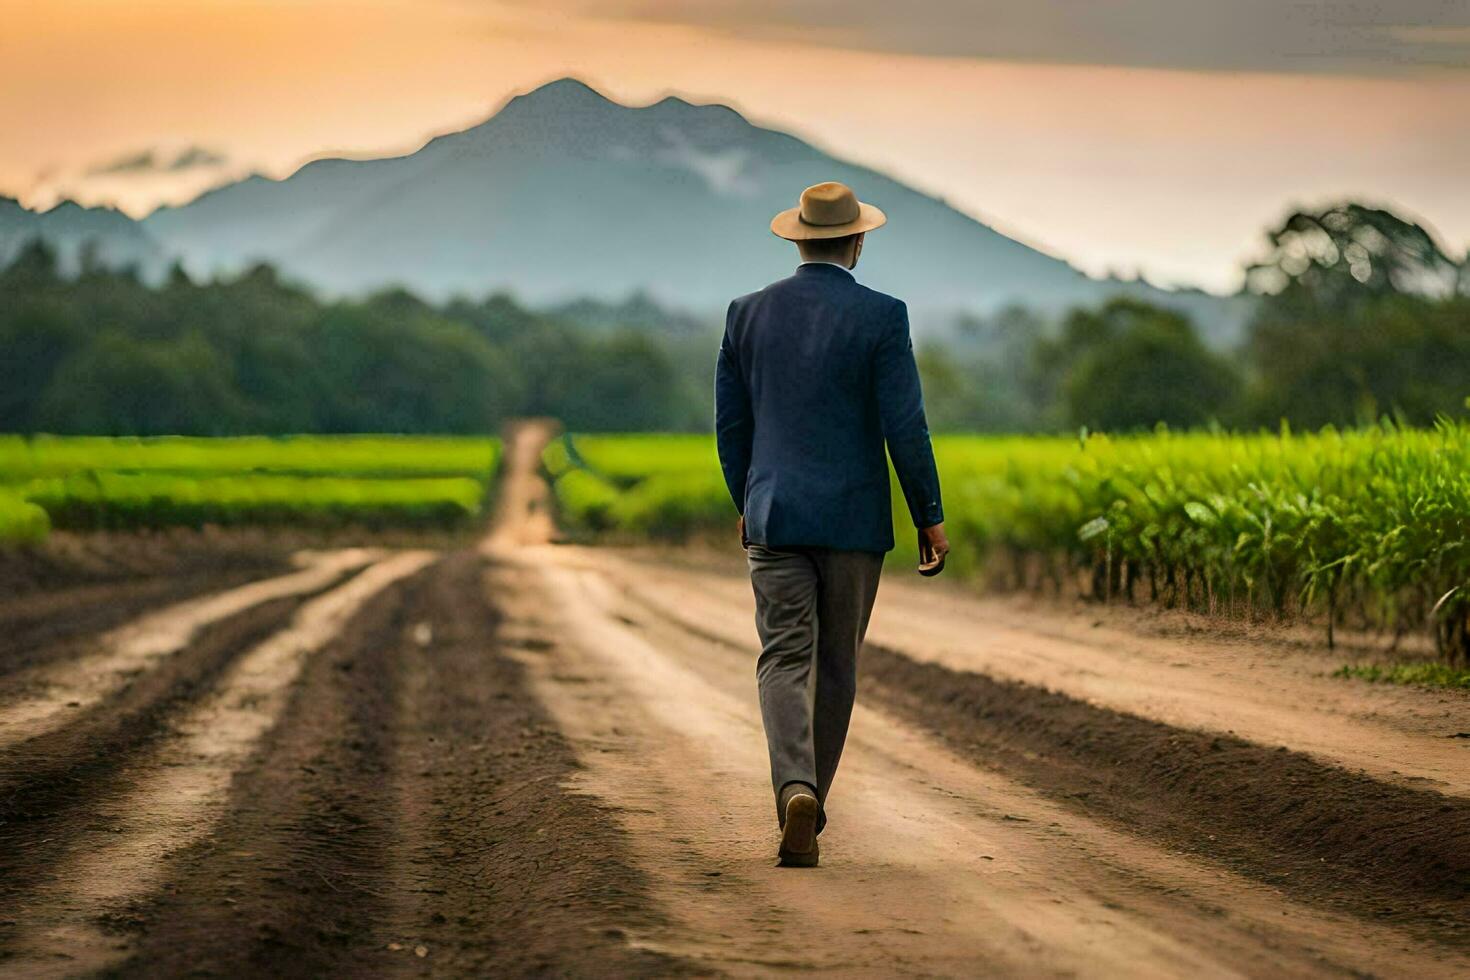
[
  {"x": 734, "y": 422},
  {"x": 901, "y": 411}
]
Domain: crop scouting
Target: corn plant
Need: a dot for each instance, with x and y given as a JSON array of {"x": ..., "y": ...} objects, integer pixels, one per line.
[{"x": 1369, "y": 525}]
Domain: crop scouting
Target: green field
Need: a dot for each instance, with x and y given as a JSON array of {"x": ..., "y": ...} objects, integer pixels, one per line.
[
  {"x": 91, "y": 483},
  {"x": 1367, "y": 528}
]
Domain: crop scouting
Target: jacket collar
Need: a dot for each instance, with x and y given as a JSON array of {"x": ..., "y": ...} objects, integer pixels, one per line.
[{"x": 823, "y": 269}]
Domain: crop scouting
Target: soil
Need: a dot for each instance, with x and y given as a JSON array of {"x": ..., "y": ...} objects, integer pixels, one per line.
[
  {"x": 408, "y": 799},
  {"x": 1317, "y": 832},
  {"x": 335, "y": 770},
  {"x": 51, "y": 785},
  {"x": 76, "y": 587},
  {"x": 68, "y": 559},
  {"x": 931, "y": 864},
  {"x": 525, "y": 759},
  {"x": 1252, "y": 682}
]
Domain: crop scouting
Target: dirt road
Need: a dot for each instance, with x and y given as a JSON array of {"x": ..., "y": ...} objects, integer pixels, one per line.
[
  {"x": 535, "y": 758},
  {"x": 942, "y": 860}
]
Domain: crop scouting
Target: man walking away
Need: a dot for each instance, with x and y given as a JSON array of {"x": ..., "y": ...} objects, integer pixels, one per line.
[{"x": 816, "y": 373}]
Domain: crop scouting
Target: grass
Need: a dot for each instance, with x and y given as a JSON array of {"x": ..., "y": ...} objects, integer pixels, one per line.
[
  {"x": 122, "y": 501},
  {"x": 1424, "y": 674},
  {"x": 87, "y": 483},
  {"x": 25, "y": 458},
  {"x": 22, "y": 522}
]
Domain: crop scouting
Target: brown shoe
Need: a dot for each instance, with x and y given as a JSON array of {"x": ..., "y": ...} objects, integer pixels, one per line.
[{"x": 800, "y": 812}]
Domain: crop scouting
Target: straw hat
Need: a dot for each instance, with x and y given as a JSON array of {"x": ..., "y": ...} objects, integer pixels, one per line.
[{"x": 827, "y": 210}]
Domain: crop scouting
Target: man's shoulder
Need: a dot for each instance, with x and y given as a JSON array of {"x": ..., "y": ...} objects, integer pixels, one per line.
[
  {"x": 882, "y": 300},
  {"x": 778, "y": 286},
  {"x": 753, "y": 299},
  {"x": 740, "y": 302}
]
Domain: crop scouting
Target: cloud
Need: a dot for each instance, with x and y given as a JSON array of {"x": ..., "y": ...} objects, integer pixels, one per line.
[
  {"x": 725, "y": 172},
  {"x": 154, "y": 162},
  {"x": 1338, "y": 36},
  {"x": 195, "y": 157},
  {"x": 131, "y": 163}
]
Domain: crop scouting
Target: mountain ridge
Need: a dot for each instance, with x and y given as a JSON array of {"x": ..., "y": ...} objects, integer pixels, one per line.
[
  {"x": 563, "y": 193},
  {"x": 71, "y": 230}
]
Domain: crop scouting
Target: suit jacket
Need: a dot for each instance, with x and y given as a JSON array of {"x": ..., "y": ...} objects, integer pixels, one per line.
[{"x": 815, "y": 374}]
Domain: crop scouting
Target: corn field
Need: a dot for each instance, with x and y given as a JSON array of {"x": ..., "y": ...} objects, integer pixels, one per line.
[{"x": 1368, "y": 528}]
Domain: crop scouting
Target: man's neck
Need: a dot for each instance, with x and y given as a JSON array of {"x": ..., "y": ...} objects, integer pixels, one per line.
[{"x": 825, "y": 262}]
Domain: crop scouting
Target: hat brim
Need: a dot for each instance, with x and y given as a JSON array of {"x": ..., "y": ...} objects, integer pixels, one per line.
[{"x": 788, "y": 225}]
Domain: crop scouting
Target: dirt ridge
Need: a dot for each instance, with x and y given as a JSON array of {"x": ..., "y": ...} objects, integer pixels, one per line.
[
  {"x": 1266, "y": 694},
  {"x": 1317, "y": 832},
  {"x": 932, "y": 865},
  {"x": 49, "y": 785},
  {"x": 410, "y": 798},
  {"x": 1336, "y": 838},
  {"x": 40, "y": 628}
]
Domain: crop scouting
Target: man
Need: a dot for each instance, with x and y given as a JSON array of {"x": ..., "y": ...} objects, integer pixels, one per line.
[{"x": 815, "y": 374}]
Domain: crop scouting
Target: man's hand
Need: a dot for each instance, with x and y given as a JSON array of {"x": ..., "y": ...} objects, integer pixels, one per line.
[{"x": 933, "y": 546}]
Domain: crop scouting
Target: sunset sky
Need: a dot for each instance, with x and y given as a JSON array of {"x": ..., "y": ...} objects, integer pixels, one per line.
[{"x": 1158, "y": 136}]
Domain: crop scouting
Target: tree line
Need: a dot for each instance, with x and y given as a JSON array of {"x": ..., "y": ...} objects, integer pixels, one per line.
[
  {"x": 1360, "y": 315},
  {"x": 103, "y": 353}
]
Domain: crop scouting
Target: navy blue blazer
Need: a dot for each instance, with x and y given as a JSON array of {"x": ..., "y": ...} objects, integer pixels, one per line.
[{"x": 816, "y": 373}]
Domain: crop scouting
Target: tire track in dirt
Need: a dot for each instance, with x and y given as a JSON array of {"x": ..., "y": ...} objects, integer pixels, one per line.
[
  {"x": 42, "y": 628},
  {"x": 294, "y": 879},
  {"x": 178, "y": 792},
  {"x": 523, "y": 512},
  {"x": 49, "y": 786},
  {"x": 352, "y": 782},
  {"x": 950, "y": 868},
  {"x": 1187, "y": 682},
  {"x": 44, "y": 699},
  {"x": 931, "y": 866},
  {"x": 1337, "y": 839},
  {"x": 1268, "y": 696},
  {"x": 409, "y": 798},
  {"x": 512, "y": 874},
  {"x": 1323, "y": 834}
]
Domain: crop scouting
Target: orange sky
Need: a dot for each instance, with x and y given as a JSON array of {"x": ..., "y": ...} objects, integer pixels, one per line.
[{"x": 1174, "y": 172}]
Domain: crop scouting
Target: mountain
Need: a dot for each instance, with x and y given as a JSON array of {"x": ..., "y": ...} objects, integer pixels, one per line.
[
  {"x": 564, "y": 193},
  {"x": 114, "y": 238}
]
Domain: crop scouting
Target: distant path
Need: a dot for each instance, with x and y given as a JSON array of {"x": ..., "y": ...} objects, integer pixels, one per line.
[{"x": 523, "y": 514}]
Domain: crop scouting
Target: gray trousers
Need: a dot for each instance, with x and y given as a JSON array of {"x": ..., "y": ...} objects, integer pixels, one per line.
[{"x": 811, "y": 611}]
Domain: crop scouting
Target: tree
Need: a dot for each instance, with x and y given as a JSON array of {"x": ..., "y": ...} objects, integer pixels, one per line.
[
  {"x": 1130, "y": 365},
  {"x": 1405, "y": 356},
  {"x": 1363, "y": 314},
  {"x": 118, "y": 385},
  {"x": 34, "y": 268},
  {"x": 380, "y": 373},
  {"x": 36, "y": 337},
  {"x": 971, "y": 393},
  {"x": 1155, "y": 371},
  {"x": 1339, "y": 255}
]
